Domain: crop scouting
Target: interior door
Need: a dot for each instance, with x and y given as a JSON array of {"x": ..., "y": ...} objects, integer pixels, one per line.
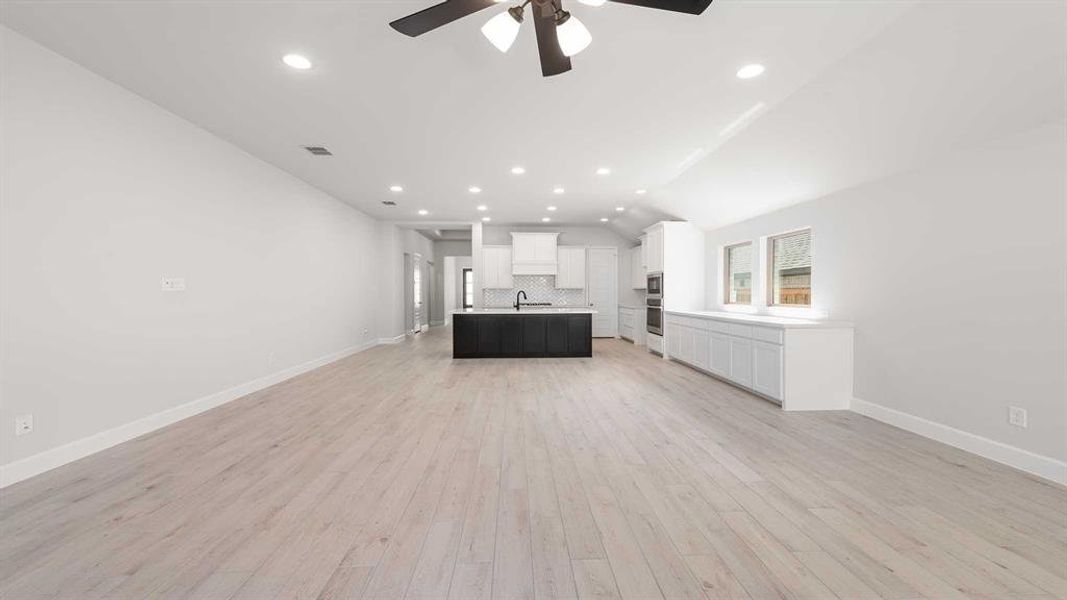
[
  {"x": 603, "y": 275},
  {"x": 417, "y": 293}
]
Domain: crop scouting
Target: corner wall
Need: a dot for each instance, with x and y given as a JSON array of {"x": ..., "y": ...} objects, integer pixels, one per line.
[
  {"x": 954, "y": 277},
  {"x": 101, "y": 195}
]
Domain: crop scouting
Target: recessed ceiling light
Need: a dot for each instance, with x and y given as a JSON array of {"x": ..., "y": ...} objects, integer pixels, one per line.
[
  {"x": 424, "y": 212},
  {"x": 551, "y": 208},
  {"x": 517, "y": 170},
  {"x": 545, "y": 219},
  {"x": 396, "y": 188},
  {"x": 750, "y": 71},
  {"x": 603, "y": 171},
  {"x": 641, "y": 192},
  {"x": 474, "y": 189},
  {"x": 297, "y": 61},
  {"x": 483, "y": 207},
  {"x": 603, "y": 219},
  {"x": 620, "y": 208},
  {"x": 487, "y": 219},
  {"x": 558, "y": 190}
]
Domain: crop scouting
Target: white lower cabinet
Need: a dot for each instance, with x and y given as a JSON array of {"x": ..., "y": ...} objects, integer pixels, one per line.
[
  {"x": 767, "y": 369},
  {"x": 720, "y": 354},
  {"x": 741, "y": 361},
  {"x": 803, "y": 368}
]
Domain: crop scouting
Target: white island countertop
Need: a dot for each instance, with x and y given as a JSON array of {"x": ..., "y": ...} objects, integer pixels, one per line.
[
  {"x": 767, "y": 320},
  {"x": 531, "y": 310}
]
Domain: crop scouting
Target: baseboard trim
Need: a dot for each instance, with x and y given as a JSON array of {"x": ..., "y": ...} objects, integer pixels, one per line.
[
  {"x": 67, "y": 453},
  {"x": 1024, "y": 460},
  {"x": 392, "y": 340}
]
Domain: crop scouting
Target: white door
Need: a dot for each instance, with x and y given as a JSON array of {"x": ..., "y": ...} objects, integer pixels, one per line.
[{"x": 604, "y": 290}]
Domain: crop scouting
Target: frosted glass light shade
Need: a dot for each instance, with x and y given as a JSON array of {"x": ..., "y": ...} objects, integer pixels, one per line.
[
  {"x": 501, "y": 30},
  {"x": 573, "y": 36},
  {"x": 593, "y": 2}
]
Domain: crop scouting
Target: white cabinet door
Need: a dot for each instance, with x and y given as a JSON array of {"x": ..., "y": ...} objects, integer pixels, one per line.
[
  {"x": 701, "y": 349},
  {"x": 767, "y": 369},
  {"x": 571, "y": 271},
  {"x": 720, "y": 354},
  {"x": 654, "y": 241},
  {"x": 496, "y": 267},
  {"x": 637, "y": 268},
  {"x": 741, "y": 361},
  {"x": 644, "y": 252},
  {"x": 674, "y": 340}
]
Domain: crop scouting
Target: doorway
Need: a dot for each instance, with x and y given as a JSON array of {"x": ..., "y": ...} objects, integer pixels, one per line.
[{"x": 604, "y": 290}]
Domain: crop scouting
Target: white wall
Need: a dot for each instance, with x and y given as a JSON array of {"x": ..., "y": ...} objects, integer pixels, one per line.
[
  {"x": 954, "y": 278},
  {"x": 393, "y": 243},
  {"x": 451, "y": 279},
  {"x": 103, "y": 193},
  {"x": 580, "y": 236},
  {"x": 453, "y": 283}
]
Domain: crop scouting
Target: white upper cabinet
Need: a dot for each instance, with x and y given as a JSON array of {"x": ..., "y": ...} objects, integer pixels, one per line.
[
  {"x": 534, "y": 253},
  {"x": 654, "y": 249},
  {"x": 637, "y": 268},
  {"x": 496, "y": 268},
  {"x": 570, "y": 273}
]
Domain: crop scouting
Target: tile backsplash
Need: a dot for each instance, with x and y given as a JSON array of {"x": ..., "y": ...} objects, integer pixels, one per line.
[{"x": 538, "y": 288}]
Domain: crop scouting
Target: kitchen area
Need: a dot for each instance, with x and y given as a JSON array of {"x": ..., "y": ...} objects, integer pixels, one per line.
[{"x": 541, "y": 298}]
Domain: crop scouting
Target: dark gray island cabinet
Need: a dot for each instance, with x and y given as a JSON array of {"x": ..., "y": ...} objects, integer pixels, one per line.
[{"x": 522, "y": 334}]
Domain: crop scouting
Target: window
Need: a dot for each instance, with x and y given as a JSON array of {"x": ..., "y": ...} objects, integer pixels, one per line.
[
  {"x": 789, "y": 256},
  {"x": 468, "y": 288},
  {"x": 738, "y": 270}
]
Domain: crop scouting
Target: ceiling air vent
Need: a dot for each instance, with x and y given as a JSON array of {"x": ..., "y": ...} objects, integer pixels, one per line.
[
  {"x": 388, "y": 203},
  {"x": 318, "y": 150}
]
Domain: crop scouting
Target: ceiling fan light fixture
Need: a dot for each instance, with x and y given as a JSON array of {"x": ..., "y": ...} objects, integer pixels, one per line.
[
  {"x": 573, "y": 35},
  {"x": 593, "y": 2},
  {"x": 502, "y": 29}
]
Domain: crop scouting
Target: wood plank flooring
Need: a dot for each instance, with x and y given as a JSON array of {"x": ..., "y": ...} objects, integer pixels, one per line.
[{"x": 400, "y": 473}]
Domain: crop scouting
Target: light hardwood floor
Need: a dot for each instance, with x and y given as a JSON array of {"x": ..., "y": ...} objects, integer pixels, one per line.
[{"x": 401, "y": 473}]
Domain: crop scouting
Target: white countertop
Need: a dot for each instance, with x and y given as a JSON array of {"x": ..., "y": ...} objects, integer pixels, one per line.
[
  {"x": 532, "y": 310},
  {"x": 766, "y": 320},
  {"x": 633, "y": 306}
]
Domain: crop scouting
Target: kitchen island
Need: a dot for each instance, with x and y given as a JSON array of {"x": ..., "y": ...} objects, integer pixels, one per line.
[{"x": 526, "y": 333}]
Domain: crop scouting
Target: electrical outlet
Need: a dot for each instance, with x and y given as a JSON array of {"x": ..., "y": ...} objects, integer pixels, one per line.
[
  {"x": 173, "y": 284},
  {"x": 23, "y": 425},
  {"x": 1017, "y": 416}
]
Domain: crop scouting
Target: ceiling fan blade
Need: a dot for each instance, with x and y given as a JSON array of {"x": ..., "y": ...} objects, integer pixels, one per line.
[
  {"x": 692, "y": 7},
  {"x": 441, "y": 14},
  {"x": 553, "y": 61}
]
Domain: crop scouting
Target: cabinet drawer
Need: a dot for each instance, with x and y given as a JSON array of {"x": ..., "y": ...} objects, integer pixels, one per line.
[
  {"x": 718, "y": 326},
  {"x": 767, "y": 334},
  {"x": 690, "y": 322},
  {"x": 742, "y": 331}
]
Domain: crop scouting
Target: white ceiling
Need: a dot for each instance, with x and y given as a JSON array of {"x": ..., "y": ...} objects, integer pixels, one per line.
[{"x": 852, "y": 91}]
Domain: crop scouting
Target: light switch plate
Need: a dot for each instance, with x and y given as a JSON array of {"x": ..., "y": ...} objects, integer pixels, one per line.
[{"x": 173, "y": 284}]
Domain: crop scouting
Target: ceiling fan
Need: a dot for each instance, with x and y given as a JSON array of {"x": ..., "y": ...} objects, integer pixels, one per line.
[{"x": 559, "y": 34}]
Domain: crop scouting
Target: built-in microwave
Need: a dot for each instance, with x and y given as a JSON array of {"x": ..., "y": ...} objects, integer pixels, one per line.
[{"x": 654, "y": 286}]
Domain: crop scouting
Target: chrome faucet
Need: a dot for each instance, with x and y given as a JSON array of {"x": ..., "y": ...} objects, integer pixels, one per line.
[{"x": 521, "y": 293}]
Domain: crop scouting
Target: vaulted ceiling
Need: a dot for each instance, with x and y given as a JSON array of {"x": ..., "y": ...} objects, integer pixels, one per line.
[{"x": 853, "y": 91}]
